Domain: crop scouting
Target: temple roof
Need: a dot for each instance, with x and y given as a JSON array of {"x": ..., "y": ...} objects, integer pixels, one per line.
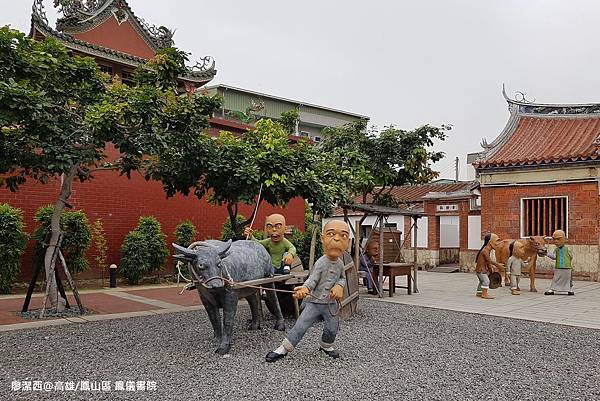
[
  {"x": 80, "y": 16},
  {"x": 544, "y": 134}
]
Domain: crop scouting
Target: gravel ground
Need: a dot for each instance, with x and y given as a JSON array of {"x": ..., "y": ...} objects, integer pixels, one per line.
[
  {"x": 389, "y": 352},
  {"x": 73, "y": 311}
]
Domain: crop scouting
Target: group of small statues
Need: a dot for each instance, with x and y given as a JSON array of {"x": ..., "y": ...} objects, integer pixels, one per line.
[
  {"x": 512, "y": 256},
  {"x": 217, "y": 266}
]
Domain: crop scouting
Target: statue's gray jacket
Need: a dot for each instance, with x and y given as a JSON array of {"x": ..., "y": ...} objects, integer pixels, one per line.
[{"x": 326, "y": 273}]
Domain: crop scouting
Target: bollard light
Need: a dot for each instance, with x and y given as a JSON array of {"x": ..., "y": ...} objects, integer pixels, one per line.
[{"x": 113, "y": 276}]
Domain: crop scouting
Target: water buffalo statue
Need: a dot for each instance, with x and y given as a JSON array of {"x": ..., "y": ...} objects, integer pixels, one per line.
[{"x": 216, "y": 264}]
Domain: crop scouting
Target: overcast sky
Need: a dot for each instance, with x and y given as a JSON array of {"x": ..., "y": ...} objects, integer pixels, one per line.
[{"x": 400, "y": 62}]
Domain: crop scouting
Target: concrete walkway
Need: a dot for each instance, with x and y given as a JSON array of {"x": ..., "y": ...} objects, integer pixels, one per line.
[{"x": 456, "y": 291}]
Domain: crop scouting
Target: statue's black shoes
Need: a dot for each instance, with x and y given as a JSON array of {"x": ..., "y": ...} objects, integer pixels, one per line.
[
  {"x": 334, "y": 354},
  {"x": 549, "y": 293},
  {"x": 273, "y": 356},
  {"x": 570, "y": 293}
]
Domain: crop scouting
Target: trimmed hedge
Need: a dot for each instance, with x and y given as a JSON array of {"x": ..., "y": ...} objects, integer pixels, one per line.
[
  {"x": 144, "y": 250},
  {"x": 76, "y": 241},
  {"x": 13, "y": 240},
  {"x": 185, "y": 233}
]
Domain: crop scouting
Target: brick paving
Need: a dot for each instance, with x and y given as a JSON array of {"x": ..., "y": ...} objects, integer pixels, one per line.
[{"x": 105, "y": 303}]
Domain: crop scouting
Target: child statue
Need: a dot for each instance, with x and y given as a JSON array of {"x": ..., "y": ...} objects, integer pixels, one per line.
[
  {"x": 514, "y": 265},
  {"x": 562, "y": 280},
  {"x": 281, "y": 250},
  {"x": 321, "y": 290}
]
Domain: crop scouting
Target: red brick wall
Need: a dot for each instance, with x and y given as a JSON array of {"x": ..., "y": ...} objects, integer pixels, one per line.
[
  {"x": 501, "y": 208},
  {"x": 119, "y": 202}
]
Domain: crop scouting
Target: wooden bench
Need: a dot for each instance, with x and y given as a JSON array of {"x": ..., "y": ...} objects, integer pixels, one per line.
[{"x": 393, "y": 270}]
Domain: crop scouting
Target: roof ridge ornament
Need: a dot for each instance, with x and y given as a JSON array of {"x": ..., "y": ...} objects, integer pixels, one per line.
[
  {"x": 39, "y": 11},
  {"x": 71, "y": 8},
  {"x": 522, "y": 97},
  {"x": 485, "y": 145},
  {"x": 206, "y": 63},
  {"x": 161, "y": 35}
]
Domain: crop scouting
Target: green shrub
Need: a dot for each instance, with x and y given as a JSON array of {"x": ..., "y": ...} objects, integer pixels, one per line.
[
  {"x": 301, "y": 241},
  {"x": 12, "y": 244},
  {"x": 156, "y": 242},
  {"x": 185, "y": 233},
  {"x": 134, "y": 257},
  {"x": 144, "y": 250},
  {"x": 227, "y": 233},
  {"x": 76, "y": 240}
]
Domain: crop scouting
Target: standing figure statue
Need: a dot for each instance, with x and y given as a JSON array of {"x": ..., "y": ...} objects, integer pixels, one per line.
[
  {"x": 485, "y": 265},
  {"x": 367, "y": 260},
  {"x": 514, "y": 266},
  {"x": 281, "y": 250},
  {"x": 562, "y": 280},
  {"x": 323, "y": 288}
]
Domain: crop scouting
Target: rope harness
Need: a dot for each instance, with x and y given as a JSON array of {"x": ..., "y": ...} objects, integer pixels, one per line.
[{"x": 230, "y": 282}]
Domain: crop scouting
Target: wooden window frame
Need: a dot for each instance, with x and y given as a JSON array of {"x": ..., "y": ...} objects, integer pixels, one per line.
[{"x": 523, "y": 219}]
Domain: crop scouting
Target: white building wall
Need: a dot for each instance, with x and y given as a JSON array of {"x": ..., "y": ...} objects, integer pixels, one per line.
[
  {"x": 449, "y": 231},
  {"x": 474, "y": 235}
]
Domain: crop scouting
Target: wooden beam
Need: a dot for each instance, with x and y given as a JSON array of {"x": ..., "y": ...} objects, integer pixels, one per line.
[
  {"x": 261, "y": 281},
  {"x": 414, "y": 276},
  {"x": 380, "y": 279},
  {"x": 349, "y": 299}
]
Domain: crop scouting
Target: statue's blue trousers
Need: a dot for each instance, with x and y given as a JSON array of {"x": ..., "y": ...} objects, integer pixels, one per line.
[{"x": 311, "y": 314}]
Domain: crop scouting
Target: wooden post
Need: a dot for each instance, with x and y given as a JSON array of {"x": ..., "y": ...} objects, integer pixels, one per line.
[
  {"x": 357, "y": 244},
  {"x": 313, "y": 241},
  {"x": 380, "y": 279},
  {"x": 31, "y": 287},
  {"x": 415, "y": 287},
  {"x": 71, "y": 282}
]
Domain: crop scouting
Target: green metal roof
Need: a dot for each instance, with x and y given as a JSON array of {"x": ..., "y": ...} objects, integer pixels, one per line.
[{"x": 240, "y": 99}]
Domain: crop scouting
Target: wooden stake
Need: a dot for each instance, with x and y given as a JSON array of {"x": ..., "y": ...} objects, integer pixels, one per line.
[
  {"x": 71, "y": 282},
  {"x": 313, "y": 241}
]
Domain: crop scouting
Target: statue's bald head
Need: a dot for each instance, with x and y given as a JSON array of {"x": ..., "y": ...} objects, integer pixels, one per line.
[
  {"x": 559, "y": 237},
  {"x": 275, "y": 227},
  {"x": 335, "y": 238}
]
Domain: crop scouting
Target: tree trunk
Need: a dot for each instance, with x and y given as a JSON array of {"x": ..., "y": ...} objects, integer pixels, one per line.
[
  {"x": 57, "y": 301},
  {"x": 233, "y": 219}
]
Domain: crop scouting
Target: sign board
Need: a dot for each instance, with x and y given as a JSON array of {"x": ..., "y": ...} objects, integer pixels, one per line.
[{"x": 447, "y": 208}]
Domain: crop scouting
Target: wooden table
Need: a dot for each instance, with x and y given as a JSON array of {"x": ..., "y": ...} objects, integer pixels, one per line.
[{"x": 392, "y": 270}]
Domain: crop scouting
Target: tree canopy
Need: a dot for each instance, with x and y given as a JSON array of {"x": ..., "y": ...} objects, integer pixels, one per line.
[
  {"x": 58, "y": 112},
  {"x": 231, "y": 170},
  {"x": 372, "y": 162}
]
